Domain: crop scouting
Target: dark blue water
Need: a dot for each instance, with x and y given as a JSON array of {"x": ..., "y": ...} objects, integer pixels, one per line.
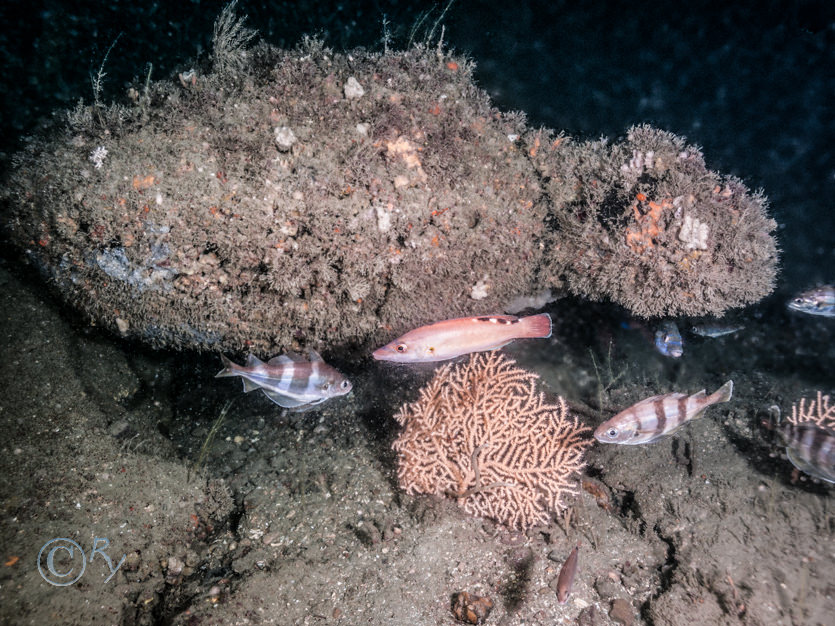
[{"x": 751, "y": 82}]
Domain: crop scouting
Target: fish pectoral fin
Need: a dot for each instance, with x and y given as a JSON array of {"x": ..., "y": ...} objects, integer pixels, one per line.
[
  {"x": 306, "y": 407},
  {"x": 807, "y": 468},
  {"x": 287, "y": 402},
  {"x": 671, "y": 432},
  {"x": 657, "y": 437}
]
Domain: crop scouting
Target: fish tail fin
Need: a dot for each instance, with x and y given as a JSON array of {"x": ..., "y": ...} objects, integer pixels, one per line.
[
  {"x": 724, "y": 393},
  {"x": 229, "y": 368},
  {"x": 536, "y": 326}
]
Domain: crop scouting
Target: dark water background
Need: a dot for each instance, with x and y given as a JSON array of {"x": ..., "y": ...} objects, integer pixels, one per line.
[{"x": 753, "y": 83}]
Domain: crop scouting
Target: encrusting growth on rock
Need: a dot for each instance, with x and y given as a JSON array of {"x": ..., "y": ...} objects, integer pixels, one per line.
[
  {"x": 481, "y": 433},
  {"x": 308, "y": 198},
  {"x": 646, "y": 224}
]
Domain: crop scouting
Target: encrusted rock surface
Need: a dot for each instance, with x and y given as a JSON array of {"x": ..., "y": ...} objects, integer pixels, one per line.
[{"x": 311, "y": 198}]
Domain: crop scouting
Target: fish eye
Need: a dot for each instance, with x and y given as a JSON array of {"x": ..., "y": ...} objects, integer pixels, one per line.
[
  {"x": 401, "y": 347},
  {"x": 612, "y": 432},
  {"x": 345, "y": 384}
]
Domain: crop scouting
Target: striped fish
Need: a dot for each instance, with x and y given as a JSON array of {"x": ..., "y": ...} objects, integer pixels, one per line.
[
  {"x": 289, "y": 380},
  {"x": 451, "y": 338},
  {"x": 810, "y": 448},
  {"x": 817, "y": 301},
  {"x": 658, "y": 416}
]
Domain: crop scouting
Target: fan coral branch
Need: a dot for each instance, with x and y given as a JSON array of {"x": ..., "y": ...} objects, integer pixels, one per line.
[
  {"x": 481, "y": 433},
  {"x": 824, "y": 416}
]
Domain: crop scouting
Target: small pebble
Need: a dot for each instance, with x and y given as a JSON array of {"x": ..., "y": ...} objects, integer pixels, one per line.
[
  {"x": 132, "y": 561},
  {"x": 285, "y": 138},
  {"x": 590, "y": 616},
  {"x": 621, "y": 612},
  {"x": 513, "y": 538},
  {"x": 353, "y": 89},
  {"x": 470, "y": 608},
  {"x": 118, "y": 429}
]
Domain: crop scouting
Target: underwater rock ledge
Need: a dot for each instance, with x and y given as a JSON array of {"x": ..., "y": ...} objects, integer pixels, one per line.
[{"x": 308, "y": 198}]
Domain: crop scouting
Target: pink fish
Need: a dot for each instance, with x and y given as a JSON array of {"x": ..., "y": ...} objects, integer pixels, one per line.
[
  {"x": 565, "y": 581},
  {"x": 452, "y": 338}
]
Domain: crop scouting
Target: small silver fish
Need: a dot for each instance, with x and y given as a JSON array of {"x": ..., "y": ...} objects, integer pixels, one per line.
[
  {"x": 658, "y": 416},
  {"x": 810, "y": 448},
  {"x": 715, "y": 329},
  {"x": 817, "y": 301},
  {"x": 289, "y": 380},
  {"x": 565, "y": 581},
  {"x": 668, "y": 340}
]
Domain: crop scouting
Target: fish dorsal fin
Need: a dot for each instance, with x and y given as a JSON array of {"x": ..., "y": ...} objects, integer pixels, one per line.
[
  {"x": 496, "y": 319},
  {"x": 281, "y": 359},
  {"x": 295, "y": 357},
  {"x": 699, "y": 395},
  {"x": 650, "y": 399},
  {"x": 314, "y": 356},
  {"x": 802, "y": 427},
  {"x": 724, "y": 393},
  {"x": 253, "y": 361}
]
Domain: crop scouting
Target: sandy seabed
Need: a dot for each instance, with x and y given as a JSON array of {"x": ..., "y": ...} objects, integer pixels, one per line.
[{"x": 297, "y": 518}]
